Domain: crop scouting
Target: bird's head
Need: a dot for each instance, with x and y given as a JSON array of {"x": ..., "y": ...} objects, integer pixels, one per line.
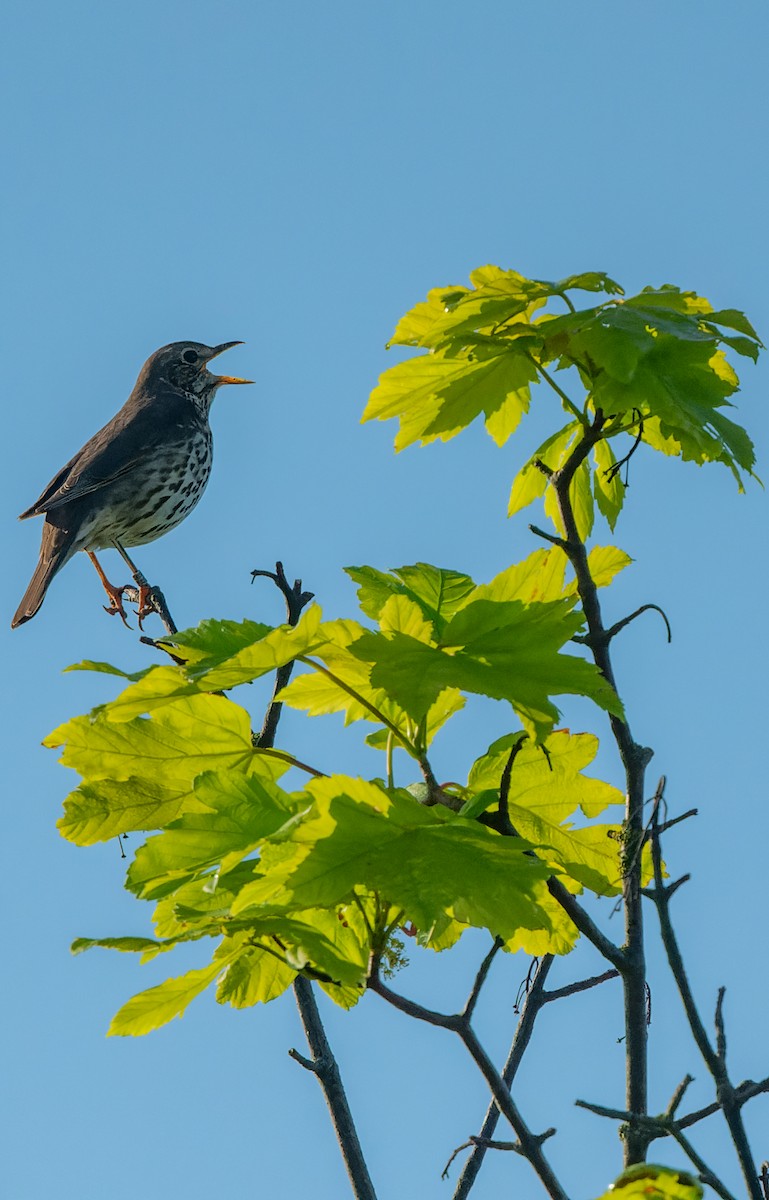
[{"x": 184, "y": 365}]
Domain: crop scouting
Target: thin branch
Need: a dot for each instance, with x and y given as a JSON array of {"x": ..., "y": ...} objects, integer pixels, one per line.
[
  {"x": 324, "y": 1066},
  {"x": 585, "y": 924},
  {"x": 715, "y": 1058},
  {"x": 345, "y": 687},
  {"x": 690, "y": 812},
  {"x": 744, "y": 1092},
  {"x": 582, "y": 985},
  {"x": 616, "y": 467},
  {"x": 295, "y": 599},
  {"x": 678, "y": 1095},
  {"x": 609, "y": 634},
  {"x": 152, "y": 596},
  {"x": 531, "y": 1144},
  {"x": 656, "y": 1127},
  {"x": 568, "y": 404},
  {"x": 631, "y": 960},
  {"x": 284, "y": 756},
  {"x": 707, "y": 1176},
  {"x": 529, "y": 1011},
  {"x": 481, "y": 978},
  {"x": 549, "y": 537},
  {"x": 504, "y": 782}
]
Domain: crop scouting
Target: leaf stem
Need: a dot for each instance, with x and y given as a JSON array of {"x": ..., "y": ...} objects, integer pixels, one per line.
[{"x": 345, "y": 687}]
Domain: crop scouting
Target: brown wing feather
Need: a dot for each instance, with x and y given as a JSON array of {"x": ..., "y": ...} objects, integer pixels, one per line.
[{"x": 141, "y": 426}]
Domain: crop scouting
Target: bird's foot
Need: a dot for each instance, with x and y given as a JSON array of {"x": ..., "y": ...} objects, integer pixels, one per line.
[
  {"x": 145, "y": 603},
  {"x": 115, "y": 606}
]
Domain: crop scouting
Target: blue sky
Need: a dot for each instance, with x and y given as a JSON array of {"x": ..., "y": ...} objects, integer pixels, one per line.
[{"x": 296, "y": 176}]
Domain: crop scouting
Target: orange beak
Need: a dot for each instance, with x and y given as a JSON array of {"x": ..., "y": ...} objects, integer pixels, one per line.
[{"x": 227, "y": 378}]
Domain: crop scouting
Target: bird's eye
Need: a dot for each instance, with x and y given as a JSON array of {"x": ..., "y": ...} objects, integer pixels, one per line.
[{"x": 190, "y": 356}]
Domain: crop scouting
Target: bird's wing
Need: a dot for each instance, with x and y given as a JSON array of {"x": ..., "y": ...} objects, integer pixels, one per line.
[{"x": 137, "y": 430}]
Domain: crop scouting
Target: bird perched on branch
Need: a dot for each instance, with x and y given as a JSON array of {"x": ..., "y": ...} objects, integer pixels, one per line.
[{"x": 137, "y": 477}]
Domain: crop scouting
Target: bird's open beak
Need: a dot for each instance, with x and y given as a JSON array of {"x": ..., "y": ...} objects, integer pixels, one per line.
[{"x": 227, "y": 378}]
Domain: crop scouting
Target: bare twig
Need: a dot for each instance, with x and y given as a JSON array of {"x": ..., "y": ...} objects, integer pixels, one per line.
[
  {"x": 582, "y": 985},
  {"x": 152, "y": 596},
  {"x": 549, "y": 537},
  {"x": 295, "y": 599},
  {"x": 480, "y": 979},
  {"x": 609, "y": 634},
  {"x": 325, "y": 1067},
  {"x": 714, "y": 1057},
  {"x": 524, "y": 1030},
  {"x": 587, "y": 926},
  {"x": 616, "y": 467},
  {"x": 690, "y": 812},
  {"x": 665, "y": 1125},
  {"x": 531, "y": 1143}
]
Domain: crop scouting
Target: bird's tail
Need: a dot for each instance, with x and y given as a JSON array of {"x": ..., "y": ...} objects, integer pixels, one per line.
[{"x": 57, "y": 547}]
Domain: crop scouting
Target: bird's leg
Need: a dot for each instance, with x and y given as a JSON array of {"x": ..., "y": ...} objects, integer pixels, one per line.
[
  {"x": 115, "y": 593},
  {"x": 145, "y": 591}
]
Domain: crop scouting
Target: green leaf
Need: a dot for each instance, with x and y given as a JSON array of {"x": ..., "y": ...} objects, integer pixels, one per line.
[
  {"x": 171, "y": 747},
  {"x": 650, "y": 1181},
  {"x": 546, "y": 787},
  {"x": 254, "y": 977},
  {"x": 211, "y": 672},
  {"x": 350, "y": 691},
  {"x": 436, "y": 396},
  {"x": 438, "y": 592},
  {"x": 547, "y": 778},
  {"x": 581, "y": 496},
  {"x": 497, "y": 297},
  {"x": 401, "y": 615},
  {"x": 731, "y": 318},
  {"x": 106, "y": 669},
  {"x": 131, "y": 945},
  {"x": 604, "y": 562},
  {"x": 212, "y": 642},
  {"x": 97, "y": 812},
  {"x": 240, "y": 812},
  {"x": 589, "y": 281},
  {"x": 608, "y": 486},
  {"x": 530, "y": 483},
  {"x": 509, "y": 651},
  {"x": 668, "y": 296},
  {"x": 538, "y": 578},
  {"x": 414, "y": 328},
  {"x": 359, "y": 836},
  {"x": 683, "y": 384},
  {"x": 159, "y": 1005}
]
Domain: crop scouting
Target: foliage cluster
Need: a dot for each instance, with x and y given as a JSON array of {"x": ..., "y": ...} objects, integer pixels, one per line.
[{"x": 320, "y": 878}]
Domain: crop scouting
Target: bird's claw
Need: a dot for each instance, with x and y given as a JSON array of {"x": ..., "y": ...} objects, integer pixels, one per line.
[
  {"x": 145, "y": 605},
  {"x": 115, "y": 608}
]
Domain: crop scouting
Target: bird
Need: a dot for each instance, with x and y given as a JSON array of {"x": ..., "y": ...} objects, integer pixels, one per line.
[{"x": 137, "y": 478}]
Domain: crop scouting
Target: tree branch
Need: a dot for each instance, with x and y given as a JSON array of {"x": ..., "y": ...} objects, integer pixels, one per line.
[
  {"x": 531, "y": 1007},
  {"x": 480, "y": 979},
  {"x": 632, "y": 964},
  {"x": 323, "y": 1063},
  {"x": 325, "y": 1067},
  {"x": 531, "y": 1143},
  {"x": 295, "y": 600},
  {"x": 715, "y": 1058},
  {"x": 662, "y": 1126},
  {"x": 152, "y": 596}
]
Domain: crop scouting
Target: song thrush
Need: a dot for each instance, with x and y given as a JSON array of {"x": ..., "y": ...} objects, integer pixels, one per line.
[{"x": 137, "y": 477}]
